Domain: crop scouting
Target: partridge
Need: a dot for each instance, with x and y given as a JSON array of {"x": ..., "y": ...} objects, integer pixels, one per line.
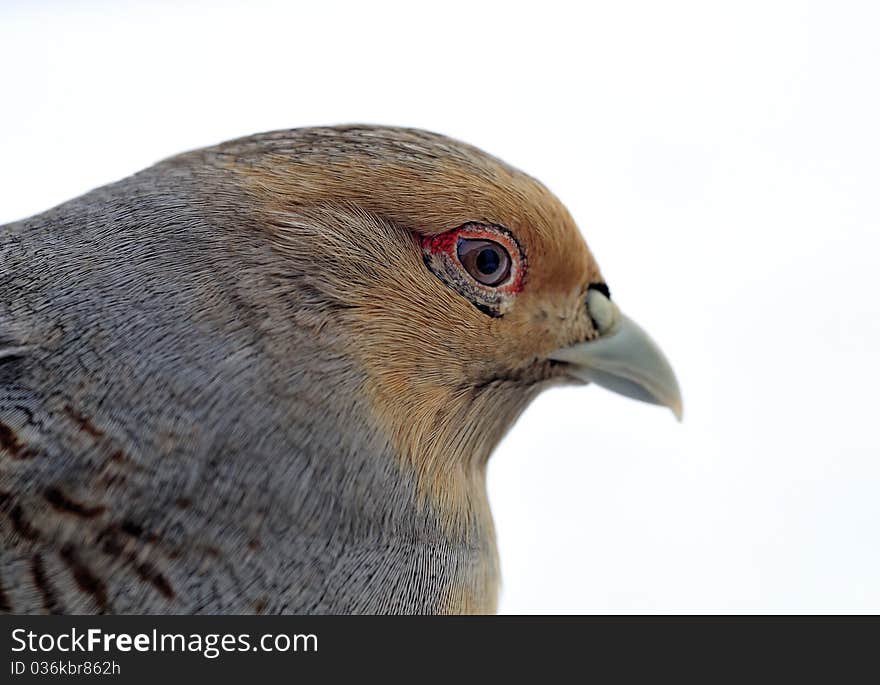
[{"x": 267, "y": 376}]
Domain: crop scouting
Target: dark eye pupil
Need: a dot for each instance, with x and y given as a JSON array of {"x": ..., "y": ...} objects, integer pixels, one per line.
[{"x": 488, "y": 261}]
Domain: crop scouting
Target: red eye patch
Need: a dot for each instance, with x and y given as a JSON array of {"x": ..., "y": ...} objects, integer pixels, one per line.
[{"x": 447, "y": 244}]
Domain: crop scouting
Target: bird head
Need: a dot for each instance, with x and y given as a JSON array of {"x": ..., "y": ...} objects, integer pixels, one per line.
[{"x": 461, "y": 287}]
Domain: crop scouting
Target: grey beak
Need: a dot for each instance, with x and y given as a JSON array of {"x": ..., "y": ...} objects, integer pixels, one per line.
[{"x": 623, "y": 359}]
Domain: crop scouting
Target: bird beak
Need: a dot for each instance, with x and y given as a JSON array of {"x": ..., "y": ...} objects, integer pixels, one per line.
[{"x": 622, "y": 359}]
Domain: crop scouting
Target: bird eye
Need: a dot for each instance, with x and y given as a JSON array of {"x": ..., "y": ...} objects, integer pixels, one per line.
[
  {"x": 484, "y": 263},
  {"x": 485, "y": 260}
]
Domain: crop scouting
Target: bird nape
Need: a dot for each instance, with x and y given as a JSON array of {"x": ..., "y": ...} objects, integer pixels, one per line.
[{"x": 267, "y": 376}]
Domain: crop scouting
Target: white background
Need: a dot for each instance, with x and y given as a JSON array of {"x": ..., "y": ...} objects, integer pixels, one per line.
[{"x": 723, "y": 161}]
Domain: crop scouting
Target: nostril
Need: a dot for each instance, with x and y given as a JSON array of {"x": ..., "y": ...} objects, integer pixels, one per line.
[
  {"x": 601, "y": 287},
  {"x": 600, "y": 309}
]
